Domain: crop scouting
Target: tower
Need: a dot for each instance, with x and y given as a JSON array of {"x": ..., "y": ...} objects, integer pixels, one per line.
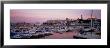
[{"x": 81, "y": 16}]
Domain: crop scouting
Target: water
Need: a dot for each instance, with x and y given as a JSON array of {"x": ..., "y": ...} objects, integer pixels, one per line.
[{"x": 64, "y": 35}]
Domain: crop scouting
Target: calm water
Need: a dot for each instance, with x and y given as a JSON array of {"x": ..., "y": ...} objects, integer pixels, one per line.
[{"x": 65, "y": 35}]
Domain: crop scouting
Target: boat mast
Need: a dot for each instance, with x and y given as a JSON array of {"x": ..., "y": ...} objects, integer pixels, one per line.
[{"x": 91, "y": 19}]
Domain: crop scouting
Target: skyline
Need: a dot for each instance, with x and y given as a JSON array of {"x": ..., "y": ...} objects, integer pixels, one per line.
[{"x": 42, "y": 15}]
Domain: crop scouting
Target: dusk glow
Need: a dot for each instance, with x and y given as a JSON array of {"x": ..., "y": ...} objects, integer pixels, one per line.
[
  {"x": 41, "y": 15},
  {"x": 54, "y": 23}
]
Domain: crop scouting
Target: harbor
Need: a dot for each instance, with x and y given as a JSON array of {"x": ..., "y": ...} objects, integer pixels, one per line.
[
  {"x": 67, "y": 28},
  {"x": 56, "y": 29}
]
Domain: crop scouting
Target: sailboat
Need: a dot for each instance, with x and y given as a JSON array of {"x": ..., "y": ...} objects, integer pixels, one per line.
[
  {"x": 86, "y": 33},
  {"x": 91, "y": 27}
]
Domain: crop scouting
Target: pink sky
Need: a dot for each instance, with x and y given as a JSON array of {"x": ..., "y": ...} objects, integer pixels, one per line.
[{"x": 41, "y": 15}]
